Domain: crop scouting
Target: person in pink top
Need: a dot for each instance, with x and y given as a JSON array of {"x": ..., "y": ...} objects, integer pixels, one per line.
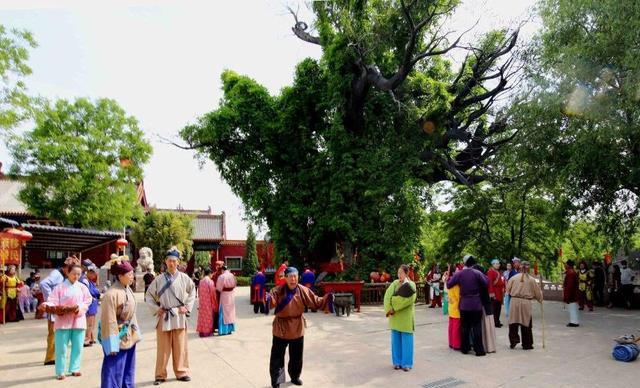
[
  {"x": 225, "y": 285},
  {"x": 69, "y": 302}
]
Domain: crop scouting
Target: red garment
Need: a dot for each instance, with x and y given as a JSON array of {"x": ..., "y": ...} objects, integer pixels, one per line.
[
  {"x": 207, "y": 305},
  {"x": 279, "y": 276},
  {"x": 496, "y": 284},
  {"x": 455, "y": 333},
  {"x": 570, "y": 286}
]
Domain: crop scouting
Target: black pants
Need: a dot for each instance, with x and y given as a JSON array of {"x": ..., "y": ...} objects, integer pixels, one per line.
[
  {"x": 258, "y": 307},
  {"x": 276, "y": 363},
  {"x": 627, "y": 295},
  {"x": 497, "y": 309},
  {"x": 527, "y": 335},
  {"x": 598, "y": 294},
  {"x": 471, "y": 322}
]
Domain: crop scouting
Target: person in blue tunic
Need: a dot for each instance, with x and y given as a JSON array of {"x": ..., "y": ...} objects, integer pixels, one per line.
[
  {"x": 88, "y": 278},
  {"x": 308, "y": 279},
  {"x": 258, "y": 289}
]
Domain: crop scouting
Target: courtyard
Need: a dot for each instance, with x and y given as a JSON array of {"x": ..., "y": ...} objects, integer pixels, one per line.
[{"x": 354, "y": 352}]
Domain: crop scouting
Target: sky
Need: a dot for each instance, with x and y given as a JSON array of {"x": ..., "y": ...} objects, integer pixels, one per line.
[{"x": 161, "y": 61}]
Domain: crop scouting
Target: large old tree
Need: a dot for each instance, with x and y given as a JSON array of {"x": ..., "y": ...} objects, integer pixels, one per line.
[{"x": 338, "y": 162}]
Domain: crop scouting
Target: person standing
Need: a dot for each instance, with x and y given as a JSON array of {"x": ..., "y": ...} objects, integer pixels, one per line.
[
  {"x": 496, "y": 290},
  {"x": 216, "y": 310},
  {"x": 147, "y": 279},
  {"x": 289, "y": 301},
  {"x": 399, "y": 306},
  {"x": 626, "y": 281},
  {"x": 47, "y": 286},
  {"x": 258, "y": 291},
  {"x": 570, "y": 293},
  {"x": 453, "y": 295},
  {"x": 471, "y": 283},
  {"x": 523, "y": 288},
  {"x": 599, "y": 282},
  {"x": 88, "y": 279},
  {"x": 434, "y": 278},
  {"x": 225, "y": 286},
  {"x": 119, "y": 330},
  {"x": 614, "y": 285},
  {"x": 585, "y": 286},
  {"x": 207, "y": 301},
  {"x": 308, "y": 279},
  {"x": 69, "y": 302},
  {"x": 171, "y": 297},
  {"x": 10, "y": 283}
]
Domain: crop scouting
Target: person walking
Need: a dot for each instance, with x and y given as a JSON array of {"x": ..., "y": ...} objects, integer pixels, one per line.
[
  {"x": 207, "y": 301},
  {"x": 523, "y": 288},
  {"x": 626, "y": 281}
]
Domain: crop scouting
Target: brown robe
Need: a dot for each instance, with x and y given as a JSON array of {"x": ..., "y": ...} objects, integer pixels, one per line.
[
  {"x": 289, "y": 323},
  {"x": 523, "y": 288}
]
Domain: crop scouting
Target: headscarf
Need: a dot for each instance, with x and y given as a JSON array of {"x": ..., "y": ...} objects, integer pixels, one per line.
[
  {"x": 173, "y": 252},
  {"x": 290, "y": 270},
  {"x": 121, "y": 266},
  {"x": 71, "y": 260}
]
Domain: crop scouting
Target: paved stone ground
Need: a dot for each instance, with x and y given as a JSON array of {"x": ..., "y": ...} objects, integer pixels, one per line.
[{"x": 354, "y": 352}]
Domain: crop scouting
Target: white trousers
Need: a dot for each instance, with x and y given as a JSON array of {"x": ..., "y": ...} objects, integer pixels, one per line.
[{"x": 573, "y": 313}]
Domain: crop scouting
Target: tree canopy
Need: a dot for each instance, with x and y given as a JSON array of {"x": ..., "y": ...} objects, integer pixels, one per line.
[
  {"x": 250, "y": 262},
  {"x": 81, "y": 163},
  {"x": 338, "y": 163},
  {"x": 160, "y": 230},
  {"x": 14, "y": 55}
]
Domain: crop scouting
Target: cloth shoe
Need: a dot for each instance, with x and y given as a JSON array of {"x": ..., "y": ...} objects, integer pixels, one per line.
[{"x": 296, "y": 381}]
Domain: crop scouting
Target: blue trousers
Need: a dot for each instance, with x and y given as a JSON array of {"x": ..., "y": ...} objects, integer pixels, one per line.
[
  {"x": 402, "y": 349},
  {"x": 119, "y": 371},
  {"x": 222, "y": 328},
  {"x": 507, "y": 303},
  {"x": 62, "y": 339}
]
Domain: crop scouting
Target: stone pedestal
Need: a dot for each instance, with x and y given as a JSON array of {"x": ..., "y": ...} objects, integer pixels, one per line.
[{"x": 139, "y": 283}]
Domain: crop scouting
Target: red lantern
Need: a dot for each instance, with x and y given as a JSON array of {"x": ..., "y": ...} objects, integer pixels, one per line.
[{"x": 121, "y": 243}]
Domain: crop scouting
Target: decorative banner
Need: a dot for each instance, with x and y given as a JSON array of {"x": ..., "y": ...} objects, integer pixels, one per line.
[{"x": 10, "y": 250}]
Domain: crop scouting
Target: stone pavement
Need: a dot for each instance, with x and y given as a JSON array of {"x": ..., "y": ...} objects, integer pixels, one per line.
[{"x": 354, "y": 352}]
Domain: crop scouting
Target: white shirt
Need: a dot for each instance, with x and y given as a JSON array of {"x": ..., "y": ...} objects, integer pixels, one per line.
[{"x": 625, "y": 275}]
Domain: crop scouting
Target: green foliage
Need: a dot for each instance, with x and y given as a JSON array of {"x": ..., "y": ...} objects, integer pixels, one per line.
[
  {"x": 160, "y": 230},
  {"x": 338, "y": 162},
  {"x": 71, "y": 163},
  {"x": 243, "y": 281},
  {"x": 15, "y": 105},
  {"x": 581, "y": 124},
  {"x": 250, "y": 262},
  {"x": 203, "y": 259}
]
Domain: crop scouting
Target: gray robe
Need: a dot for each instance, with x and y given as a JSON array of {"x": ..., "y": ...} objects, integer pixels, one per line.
[{"x": 181, "y": 292}]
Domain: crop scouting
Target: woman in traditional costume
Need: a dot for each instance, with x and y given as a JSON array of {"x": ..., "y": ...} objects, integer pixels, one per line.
[
  {"x": 399, "y": 300},
  {"x": 69, "y": 302},
  {"x": 118, "y": 330},
  {"x": 453, "y": 295},
  {"x": 207, "y": 305}
]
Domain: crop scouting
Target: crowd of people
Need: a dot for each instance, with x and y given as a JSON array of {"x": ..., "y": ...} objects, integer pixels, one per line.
[{"x": 471, "y": 297}]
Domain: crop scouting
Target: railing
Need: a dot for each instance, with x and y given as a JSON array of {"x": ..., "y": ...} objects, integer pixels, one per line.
[{"x": 373, "y": 293}]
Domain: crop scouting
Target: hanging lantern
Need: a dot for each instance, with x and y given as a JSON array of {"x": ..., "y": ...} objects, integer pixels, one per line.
[{"x": 121, "y": 243}]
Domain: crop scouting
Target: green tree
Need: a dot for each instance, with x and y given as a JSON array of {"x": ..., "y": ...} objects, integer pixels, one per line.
[
  {"x": 203, "y": 259},
  {"x": 81, "y": 163},
  {"x": 14, "y": 54},
  {"x": 250, "y": 262},
  {"x": 581, "y": 124},
  {"x": 338, "y": 162},
  {"x": 160, "y": 230}
]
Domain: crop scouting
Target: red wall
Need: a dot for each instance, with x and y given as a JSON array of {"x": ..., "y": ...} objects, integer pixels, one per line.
[
  {"x": 99, "y": 255},
  {"x": 265, "y": 253}
]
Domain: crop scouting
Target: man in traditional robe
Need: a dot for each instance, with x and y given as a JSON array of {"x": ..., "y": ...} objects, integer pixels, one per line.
[
  {"x": 225, "y": 286},
  {"x": 171, "y": 297},
  {"x": 258, "y": 289},
  {"x": 471, "y": 283},
  {"x": 207, "y": 301},
  {"x": 47, "y": 285},
  {"x": 279, "y": 275},
  {"x": 11, "y": 286},
  {"x": 496, "y": 290},
  {"x": 570, "y": 293},
  {"x": 289, "y": 301},
  {"x": 523, "y": 288}
]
